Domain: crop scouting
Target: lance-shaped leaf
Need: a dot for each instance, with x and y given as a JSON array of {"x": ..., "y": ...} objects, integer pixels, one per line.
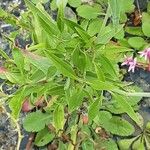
[
  {"x": 44, "y": 16},
  {"x": 16, "y": 101},
  {"x": 42, "y": 63},
  {"x": 58, "y": 117},
  {"x": 18, "y": 59},
  {"x": 94, "y": 108},
  {"x": 62, "y": 66}
]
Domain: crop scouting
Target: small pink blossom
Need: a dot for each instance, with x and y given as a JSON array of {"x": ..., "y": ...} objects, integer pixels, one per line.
[
  {"x": 131, "y": 62},
  {"x": 145, "y": 53}
]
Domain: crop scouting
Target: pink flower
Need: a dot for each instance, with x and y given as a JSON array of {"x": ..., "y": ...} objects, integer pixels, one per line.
[
  {"x": 131, "y": 62},
  {"x": 145, "y": 53}
]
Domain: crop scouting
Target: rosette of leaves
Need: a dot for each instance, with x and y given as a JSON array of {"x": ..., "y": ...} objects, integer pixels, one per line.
[
  {"x": 139, "y": 142},
  {"x": 68, "y": 67}
]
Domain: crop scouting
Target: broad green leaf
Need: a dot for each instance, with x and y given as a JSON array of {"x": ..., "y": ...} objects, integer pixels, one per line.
[
  {"x": 127, "y": 6},
  {"x": 125, "y": 144},
  {"x": 109, "y": 144},
  {"x": 136, "y": 42},
  {"x": 64, "y": 67},
  {"x": 134, "y": 31},
  {"x": 126, "y": 107},
  {"x": 58, "y": 117},
  {"x": 114, "y": 124},
  {"x": 145, "y": 28},
  {"x": 36, "y": 121},
  {"x": 43, "y": 137},
  {"x": 74, "y": 3},
  {"x": 138, "y": 144},
  {"x": 16, "y": 101},
  {"x": 145, "y": 24},
  {"x": 87, "y": 12}
]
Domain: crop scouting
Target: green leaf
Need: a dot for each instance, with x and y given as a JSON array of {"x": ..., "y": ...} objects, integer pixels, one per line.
[
  {"x": 107, "y": 66},
  {"x": 18, "y": 59},
  {"x": 42, "y": 63},
  {"x": 61, "y": 4},
  {"x": 79, "y": 59},
  {"x": 134, "y": 31},
  {"x": 114, "y": 124},
  {"x": 109, "y": 144},
  {"x": 145, "y": 24},
  {"x": 125, "y": 143},
  {"x": 73, "y": 132},
  {"x": 87, "y": 12},
  {"x": 58, "y": 117},
  {"x": 16, "y": 101},
  {"x": 87, "y": 144},
  {"x": 4, "y": 55},
  {"x": 127, "y": 6},
  {"x": 94, "y": 26},
  {"x": 43, "y": 137},
  {"x": 94, "y": 108},
  {"x": 106, "y": 35},
  {"x": 126, "y": 107},
  {"x": 36, "y": 121},
  {"x": 75, "y": 100},
  {"x": 56, "y": 90},
  {"x": 100, "y": 73},
  {"x": 138, "y": 144},
  {"x": 64, "y": 67},
  {"x": 83, "y": 34},
  {"x": 136, "y": 42},
  {"x": 115, "y": 6},
  {"x": 46, "y": 21},
  {"x": 100, "y": 85},
  {"x": 77, "y": 29},
  {"x": 74, "y": 3}
]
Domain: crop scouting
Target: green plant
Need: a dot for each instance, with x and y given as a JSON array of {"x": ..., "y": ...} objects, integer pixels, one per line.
[{"x": 64, "y": 74}]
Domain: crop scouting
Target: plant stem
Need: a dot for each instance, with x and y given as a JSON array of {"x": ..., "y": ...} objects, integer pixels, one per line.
[{"x": 20, "y": 136}]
